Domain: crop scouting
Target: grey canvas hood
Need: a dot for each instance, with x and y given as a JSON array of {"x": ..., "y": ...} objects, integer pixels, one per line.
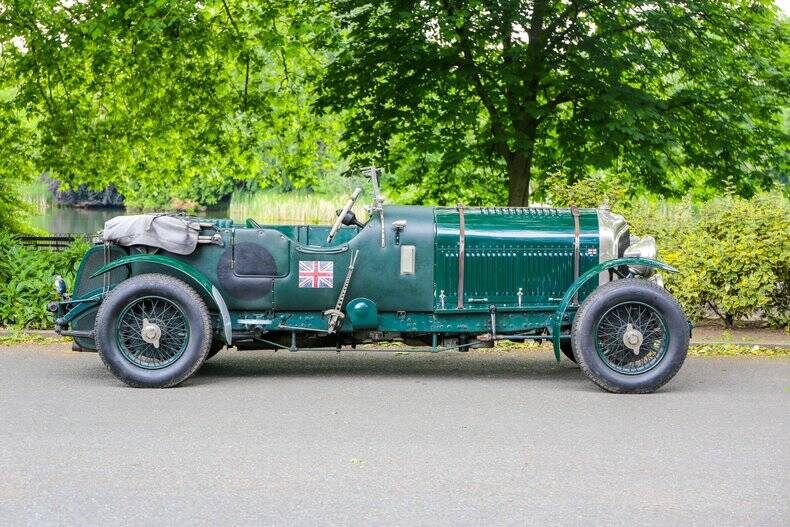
[{"x": 177, "y": 235}]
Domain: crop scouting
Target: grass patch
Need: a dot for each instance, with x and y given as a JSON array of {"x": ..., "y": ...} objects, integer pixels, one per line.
[
  {"x": 737, "y": 350},
  {"x": 289, "y": 208},
  {"x": 20, "y": 337},
  {"x": 16, "y": 337},
  {"x": 706, "y": 350},
  {"x": 527, "y": 345}
]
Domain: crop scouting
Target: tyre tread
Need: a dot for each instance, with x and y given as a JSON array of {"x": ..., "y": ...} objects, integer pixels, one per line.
[{"x": 583, "y": 312}]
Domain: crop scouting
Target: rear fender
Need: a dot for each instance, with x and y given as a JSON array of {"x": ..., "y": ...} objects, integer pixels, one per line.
[
  {"x": 185, "y": 270},
  {"x": 573, "y": 289}
]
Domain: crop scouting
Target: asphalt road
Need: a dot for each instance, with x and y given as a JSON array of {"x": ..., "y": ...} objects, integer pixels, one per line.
[{"x": 370, "y": 438}]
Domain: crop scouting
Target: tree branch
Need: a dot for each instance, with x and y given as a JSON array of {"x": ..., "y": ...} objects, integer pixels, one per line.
[
  {"x": 712, "y": 306},
  {"x": 246, "y": 55},
  {"x": 230, "y": 17},
  {"x": 497, "y": 128},
  {"x": 572, "y": 14},
  {"x": 552, "y": 105},
  {"x": 282, "y": 58}
]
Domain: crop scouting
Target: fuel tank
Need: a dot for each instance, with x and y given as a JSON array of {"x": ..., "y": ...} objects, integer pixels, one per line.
[{"x": 511, "y": 256}]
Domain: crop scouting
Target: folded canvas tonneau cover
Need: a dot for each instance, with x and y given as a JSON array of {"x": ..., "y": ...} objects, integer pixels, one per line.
[{"x": 174, "y": 234}]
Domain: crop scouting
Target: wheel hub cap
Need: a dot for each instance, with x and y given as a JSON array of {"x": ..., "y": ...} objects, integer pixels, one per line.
[
  {"x": 632, "y": 338},
  {"x": 151, "y": 333}
]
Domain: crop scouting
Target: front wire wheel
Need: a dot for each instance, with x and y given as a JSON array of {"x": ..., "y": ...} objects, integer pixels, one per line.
[{"x": 630, "y": 336}]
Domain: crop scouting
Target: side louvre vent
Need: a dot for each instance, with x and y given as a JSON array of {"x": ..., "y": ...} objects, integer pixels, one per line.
[
  {"x": 512, "y": 253},
  {"x": 495, "y": 275}
]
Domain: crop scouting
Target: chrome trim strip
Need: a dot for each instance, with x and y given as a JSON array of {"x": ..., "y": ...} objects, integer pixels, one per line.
[
  {"x": 461, "y": 255},
  {"x": 254, "y": 321},
  {"x": 309, "y": 249},
  {"x": 576, "y": 246}
]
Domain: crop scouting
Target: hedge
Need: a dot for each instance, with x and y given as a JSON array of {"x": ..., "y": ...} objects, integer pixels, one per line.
[
  {"x": 732, "y": 253},
  {"x": 26, "y": 280}
]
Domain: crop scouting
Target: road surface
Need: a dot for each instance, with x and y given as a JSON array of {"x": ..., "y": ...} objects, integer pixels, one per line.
[{"x": 502, "y": 438}]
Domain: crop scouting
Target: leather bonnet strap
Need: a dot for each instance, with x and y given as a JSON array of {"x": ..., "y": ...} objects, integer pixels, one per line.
[
  {"x": 576, "y": 247},
  {"x": 461, "y": 249}
]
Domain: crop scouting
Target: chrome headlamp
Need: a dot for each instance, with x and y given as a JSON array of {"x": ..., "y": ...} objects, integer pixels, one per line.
[{"x": 644, "y": 247}]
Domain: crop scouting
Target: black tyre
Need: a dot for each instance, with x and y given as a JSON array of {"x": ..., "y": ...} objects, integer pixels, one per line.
[
  {"x": 217, "y": 345},
  {"x": 153, "y": 331},
  {"x": 630, "y": 336},
  {"x": 567, "y": 349}
]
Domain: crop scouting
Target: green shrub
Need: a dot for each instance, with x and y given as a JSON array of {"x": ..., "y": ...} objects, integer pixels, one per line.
[
  {"x": 26, "y": 280},
  {"x": 14, "y": 211},
  {"x": 591, "y": 191},
  {"x": 733, "y": 254}
]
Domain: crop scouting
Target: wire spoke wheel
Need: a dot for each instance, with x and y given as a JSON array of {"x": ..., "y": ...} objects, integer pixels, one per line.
[
  {"x": 631, "y": 338},
  {"x": 152, "y": 332}
]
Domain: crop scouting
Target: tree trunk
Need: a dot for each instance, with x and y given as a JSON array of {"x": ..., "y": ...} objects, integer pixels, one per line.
[
  {"x": 519, "y": 174},
  {"x": 519, "y": 170},
  {"x": 519, "y": 165}
]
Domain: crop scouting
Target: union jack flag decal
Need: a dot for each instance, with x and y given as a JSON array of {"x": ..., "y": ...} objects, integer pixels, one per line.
[{"x": 316, "y": 274}]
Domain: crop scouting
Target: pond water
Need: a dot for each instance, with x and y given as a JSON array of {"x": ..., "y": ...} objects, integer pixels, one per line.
[
  {"x": 264, "y": 207},
  {"x": 58, "y": 219}
]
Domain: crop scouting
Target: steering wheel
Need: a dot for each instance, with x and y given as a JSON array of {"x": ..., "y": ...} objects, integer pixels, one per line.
[{"x": 349, "y": 204}]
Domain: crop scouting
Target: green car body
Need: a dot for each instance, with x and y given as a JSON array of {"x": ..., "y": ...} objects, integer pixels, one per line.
[{"x": 443, "y": 277}]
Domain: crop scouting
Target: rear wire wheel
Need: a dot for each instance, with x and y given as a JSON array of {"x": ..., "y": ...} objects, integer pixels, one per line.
[
  {"x": 153, "y": 331},
  {"x": 630, "y": 336}
]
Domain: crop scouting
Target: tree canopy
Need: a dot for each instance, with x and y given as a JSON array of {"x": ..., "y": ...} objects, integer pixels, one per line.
[
  {"x": 665, "y": 92},
  {"x": 166, "y": 99},
  {"x": 471, "y": 100}
]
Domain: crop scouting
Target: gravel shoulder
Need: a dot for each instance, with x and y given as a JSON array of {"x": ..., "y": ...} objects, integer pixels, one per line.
[{"x": 742, "y": 335}]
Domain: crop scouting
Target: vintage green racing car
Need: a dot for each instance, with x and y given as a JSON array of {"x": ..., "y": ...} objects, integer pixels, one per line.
[{"x": 158, "y": 294}]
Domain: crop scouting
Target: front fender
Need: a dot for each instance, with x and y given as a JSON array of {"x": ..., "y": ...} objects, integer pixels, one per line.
[
  {"x": 183, "y": 269},
  {"x": 573, "y": 289}
]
